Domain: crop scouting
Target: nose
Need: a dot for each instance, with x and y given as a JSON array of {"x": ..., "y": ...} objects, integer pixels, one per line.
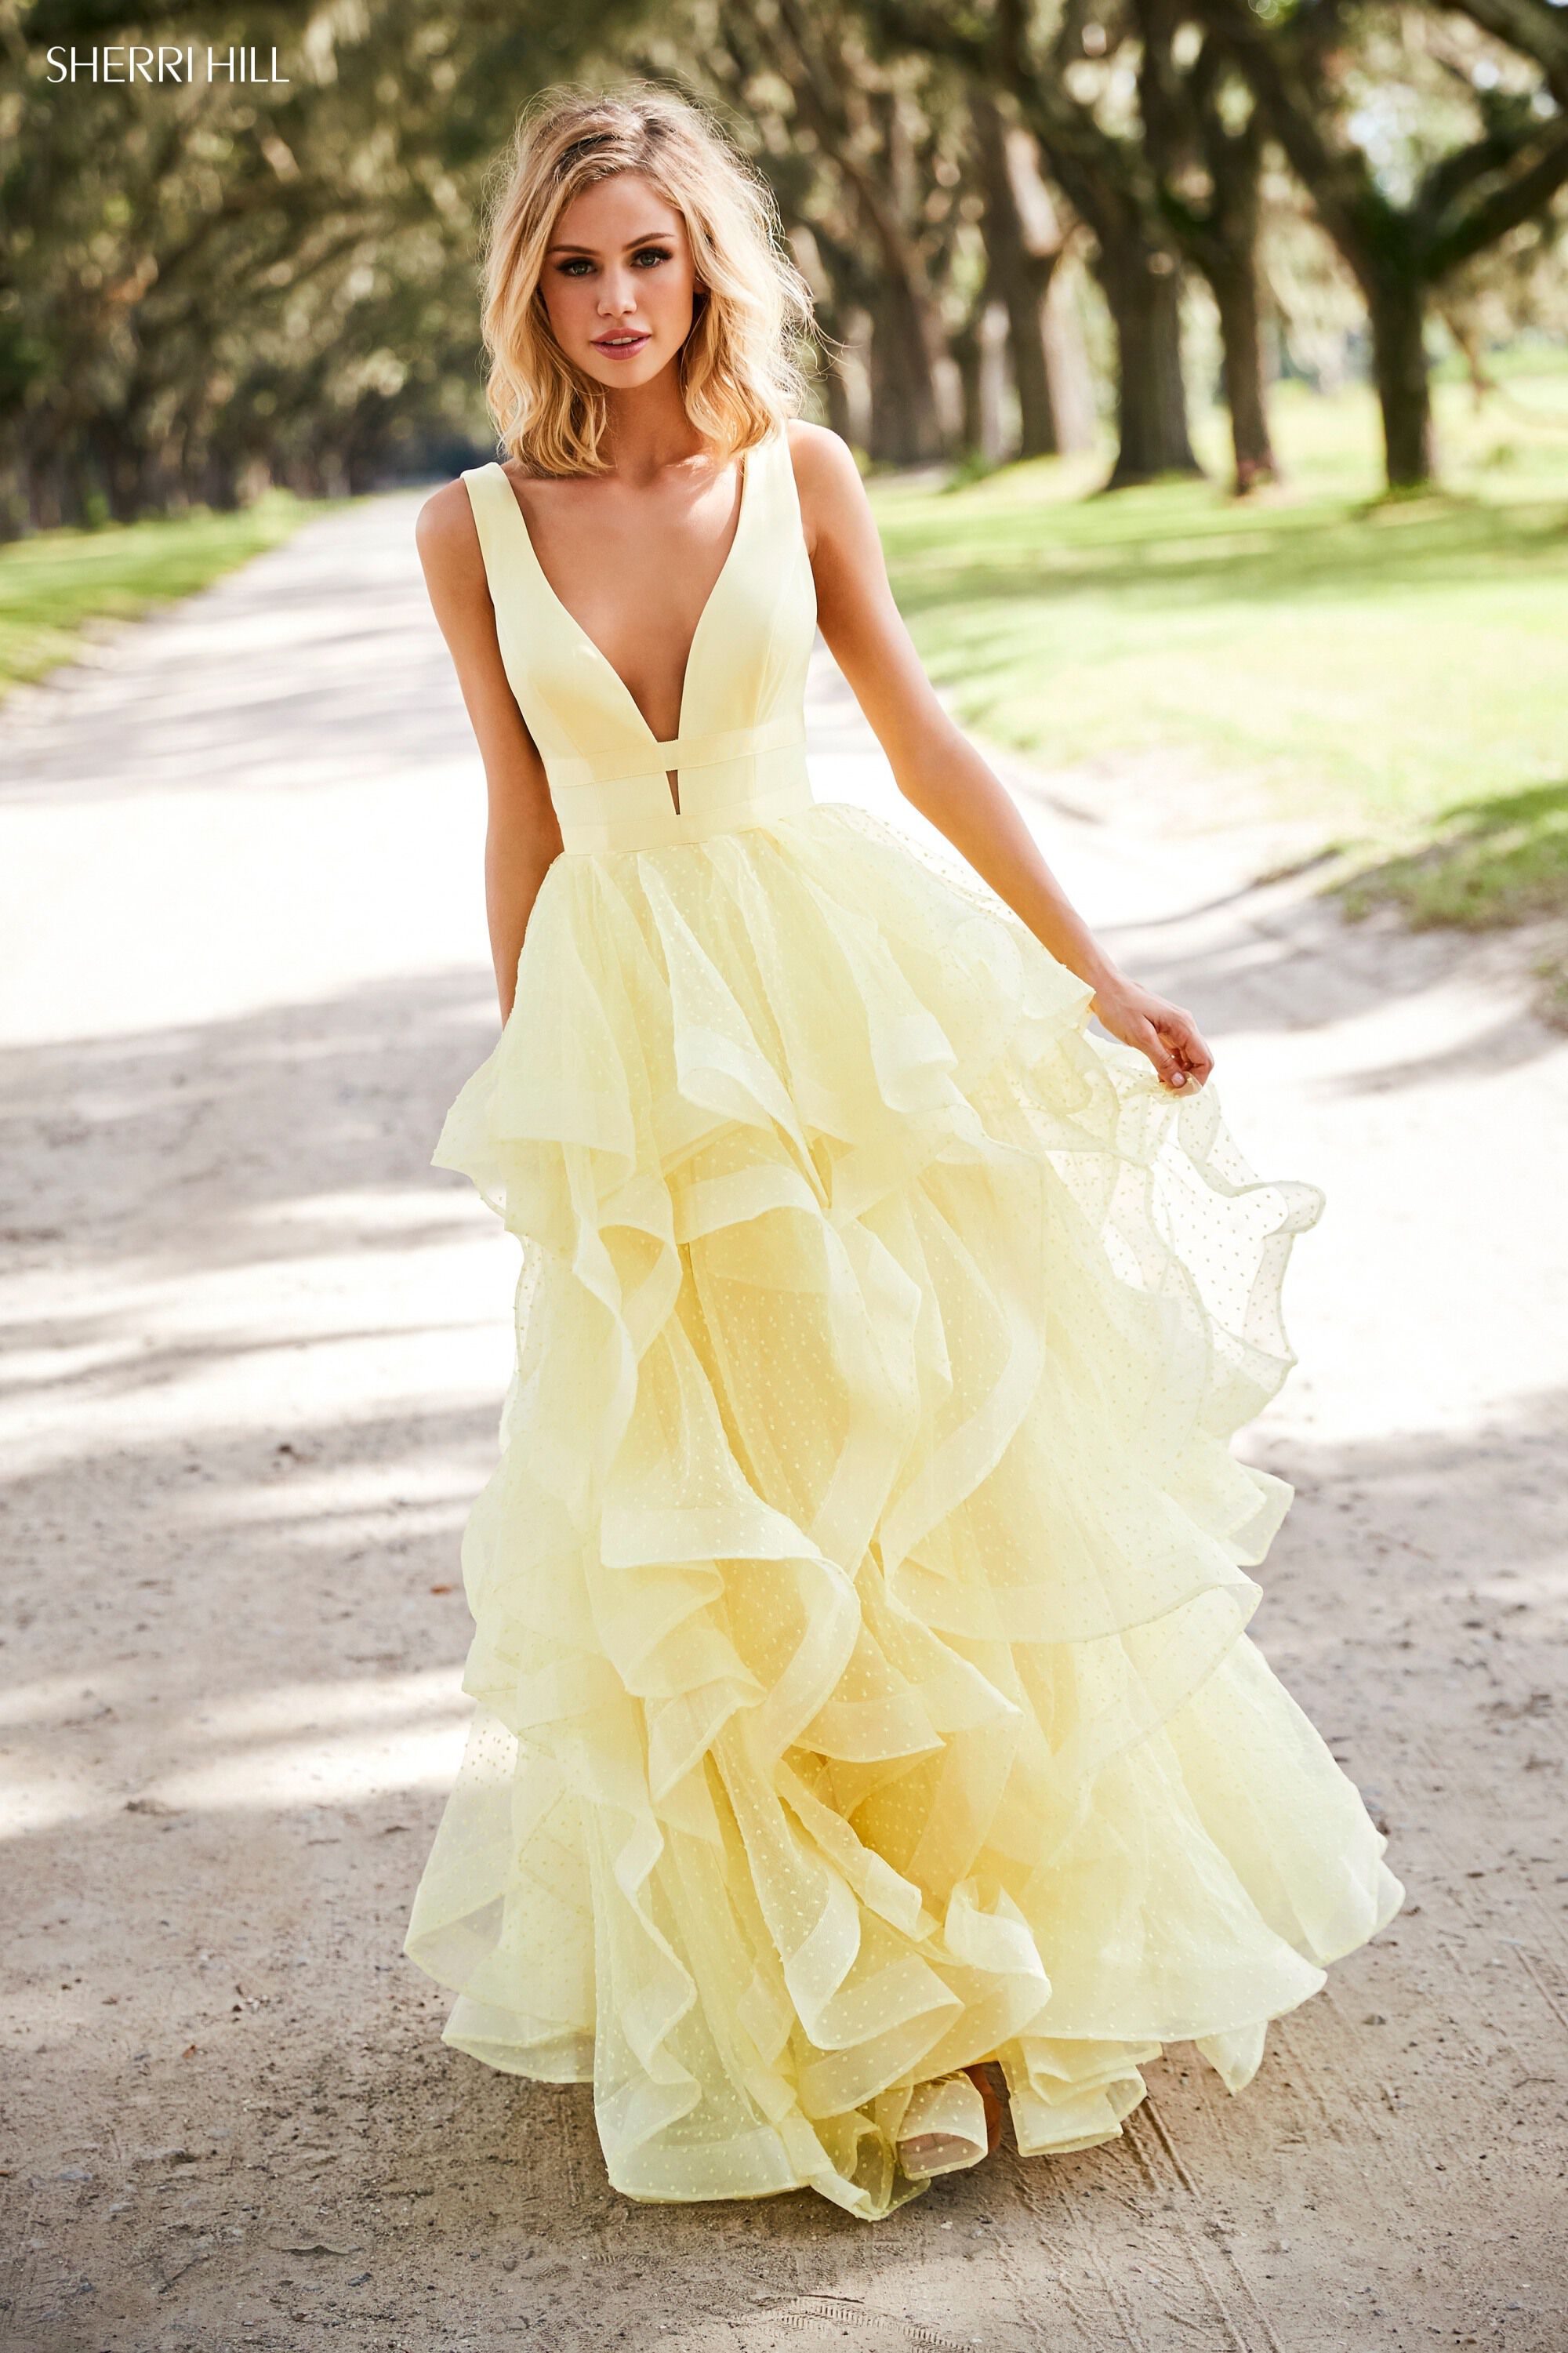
[{"x": 617, "y": 292}]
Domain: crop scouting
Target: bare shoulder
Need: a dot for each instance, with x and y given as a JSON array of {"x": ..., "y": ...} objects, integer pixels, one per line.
[
  {"x": 825, "y": 468},
  {"x": 445, "y": 536},
  {"x": 835, "y": 513}
]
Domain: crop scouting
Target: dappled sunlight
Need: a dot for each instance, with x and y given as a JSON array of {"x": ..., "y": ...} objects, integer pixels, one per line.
[
  {"x": 196, "y": 1361},
  {"x": 274, "y": 1747},
  {"x": 31, "y": 1802},
  {"x": 335, "y": 1507},
  {"x": 262, "y": 1354},
  {"x": 1274, "y": 959},
  {"x": 279, "y": 678},
  {"x": 1310, "y": 650},
  {"x": 283, "y": 1709},
  {"x": 59, "y": 1698},
  {"x": 323, "y": 1771},
  {"x": 330, "y": 1766},
  {"x": 391, "y": 1215}
]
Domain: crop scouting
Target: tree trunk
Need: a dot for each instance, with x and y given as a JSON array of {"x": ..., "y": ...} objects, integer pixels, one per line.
[
  {"x": 1019, "y": 278},
  {"x": 1396, "y": 313},
  {"x": 1024, "y": 305},
  {"x": 906, "y": 421},
  {"x": 836, "y": 400},
  {"x": 964, "y": 345},
  {"x": 1241, "y": 339},
  {"x": 995, "y": 375},
  {"x": 1142, "y": 284},
  {"x": 1145, "y": 303},
  {"x": 1067, "y": 362}
]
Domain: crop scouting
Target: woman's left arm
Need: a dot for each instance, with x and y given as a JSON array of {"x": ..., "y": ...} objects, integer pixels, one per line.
[{"x": 936, "y": 767}]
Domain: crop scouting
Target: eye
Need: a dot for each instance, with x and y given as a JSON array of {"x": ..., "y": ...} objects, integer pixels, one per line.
[
  {"x": 575, "y": 265},
  {"x": 647, "y": 255}
]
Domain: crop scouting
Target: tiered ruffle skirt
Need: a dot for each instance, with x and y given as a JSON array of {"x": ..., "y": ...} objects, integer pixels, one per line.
[{"x": 862, "y": 1687}]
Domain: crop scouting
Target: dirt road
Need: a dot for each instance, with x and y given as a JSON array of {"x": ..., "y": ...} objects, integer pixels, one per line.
[{"x": 257, "y": 1348}]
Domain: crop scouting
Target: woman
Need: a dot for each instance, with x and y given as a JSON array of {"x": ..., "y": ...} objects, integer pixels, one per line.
[{"x": 863, "y": 1695}]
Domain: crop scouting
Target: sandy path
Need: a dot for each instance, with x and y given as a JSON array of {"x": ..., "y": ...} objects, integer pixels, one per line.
[{"x": 257, "y": 1350}]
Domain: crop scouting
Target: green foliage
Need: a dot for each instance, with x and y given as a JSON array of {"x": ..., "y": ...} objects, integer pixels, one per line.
[
  {"x": 1487, "y": 862},
  {"x": 1391, "y": 668},
  {"x": 1373, "y": 661},
  {"x": 1484, "y": 864},
  {"x": 212, "y": 287},
  {"x": 56, "y": 584}
]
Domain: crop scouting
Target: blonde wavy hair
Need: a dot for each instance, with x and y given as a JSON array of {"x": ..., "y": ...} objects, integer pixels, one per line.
[{"x": 739, "y": 372}]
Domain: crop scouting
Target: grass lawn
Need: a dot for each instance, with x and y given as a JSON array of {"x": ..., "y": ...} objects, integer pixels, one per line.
[
  {"x": 1398, "y": 669},
  {"x": 53, "y": 584},
  {"x": 1395, "y": 670}
]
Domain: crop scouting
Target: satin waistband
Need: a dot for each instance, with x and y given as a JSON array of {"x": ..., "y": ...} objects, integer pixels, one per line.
[{"x": 727, "y": 781}]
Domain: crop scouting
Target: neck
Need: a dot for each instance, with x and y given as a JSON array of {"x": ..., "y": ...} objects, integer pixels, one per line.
[{"x": 646, "y": 428}]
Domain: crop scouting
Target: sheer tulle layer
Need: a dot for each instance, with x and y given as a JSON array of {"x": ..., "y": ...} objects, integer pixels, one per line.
[{"x": 859, "y": 1597}]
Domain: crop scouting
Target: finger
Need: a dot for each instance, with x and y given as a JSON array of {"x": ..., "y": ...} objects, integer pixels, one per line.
[
  {"x": 1170, "y": 1070},
  {"x": 1183, "y": 1040}
]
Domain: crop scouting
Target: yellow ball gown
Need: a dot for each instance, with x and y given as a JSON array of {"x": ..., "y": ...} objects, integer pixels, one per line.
[{"x": 861, "y": 1687}]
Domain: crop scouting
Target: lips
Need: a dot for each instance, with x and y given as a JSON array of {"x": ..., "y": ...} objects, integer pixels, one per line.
[{"x": 621, "y": 347}]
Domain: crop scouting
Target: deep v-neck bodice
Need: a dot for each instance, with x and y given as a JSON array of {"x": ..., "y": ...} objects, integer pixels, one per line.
[
  {"x": 739, "y": 756},
  {"x": 737, "y": 533}
]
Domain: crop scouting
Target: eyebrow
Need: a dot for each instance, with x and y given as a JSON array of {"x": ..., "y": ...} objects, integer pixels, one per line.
[{"x": 653, "y": 237}]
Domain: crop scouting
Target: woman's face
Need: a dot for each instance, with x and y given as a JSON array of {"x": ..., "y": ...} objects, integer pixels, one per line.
[{"x": 618, "y": 284}]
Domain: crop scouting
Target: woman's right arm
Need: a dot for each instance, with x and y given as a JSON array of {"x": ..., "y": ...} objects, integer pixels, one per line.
[{"x": 523, "y": 839}]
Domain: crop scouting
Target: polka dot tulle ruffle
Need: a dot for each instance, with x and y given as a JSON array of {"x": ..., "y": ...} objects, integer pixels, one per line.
[{"x": 859, "y": 1597}]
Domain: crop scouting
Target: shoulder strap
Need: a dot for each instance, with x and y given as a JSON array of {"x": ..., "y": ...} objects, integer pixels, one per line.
[
  {"x": 488, "y": 488},
  {"x": 783, "y": 499}
]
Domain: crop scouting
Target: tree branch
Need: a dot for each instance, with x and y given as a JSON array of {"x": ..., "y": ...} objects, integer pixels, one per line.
[
  {"x": 1508, "y": 207},
  {"x": 1534, "y": 27}
]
